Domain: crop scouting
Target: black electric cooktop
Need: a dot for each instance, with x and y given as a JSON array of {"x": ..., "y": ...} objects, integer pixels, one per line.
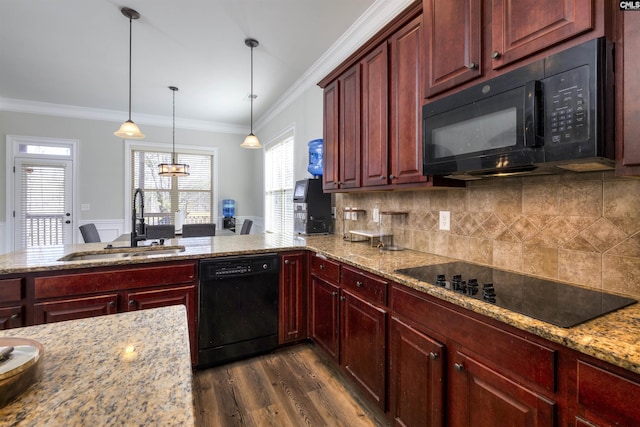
[{"x": 553, "y": 302}]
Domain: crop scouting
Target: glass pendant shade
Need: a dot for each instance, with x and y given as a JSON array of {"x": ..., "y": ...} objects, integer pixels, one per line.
[
  {"x": 251, "y": 141},
  {"x": 173, "y": 169},
  {"x": 129, "y": 130}
]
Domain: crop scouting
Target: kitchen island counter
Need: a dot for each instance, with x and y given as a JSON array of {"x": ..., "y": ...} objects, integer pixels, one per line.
[{"x": 131, "y": 368}]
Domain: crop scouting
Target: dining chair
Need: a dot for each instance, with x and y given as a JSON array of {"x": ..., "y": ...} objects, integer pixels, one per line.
[
  {"x": 197, "y": 230},
  {"x": 90, "y": 233},
  {"x": 246, "y": 226},
  {"x": 163, "y": 231}
]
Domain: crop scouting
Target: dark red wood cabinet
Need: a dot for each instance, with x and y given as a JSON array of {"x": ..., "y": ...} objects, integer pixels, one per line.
[
  {"x": 323, "y": 315},
  {"x": 12, "y": 303},
  {"x": 292, "y": 303}
]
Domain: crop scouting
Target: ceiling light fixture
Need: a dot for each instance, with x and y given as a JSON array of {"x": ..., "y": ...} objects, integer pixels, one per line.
[
  {"x": 251, "y": 141},
  {"x": 173, "y": 169},
  {"x": 129, "y": 129}
]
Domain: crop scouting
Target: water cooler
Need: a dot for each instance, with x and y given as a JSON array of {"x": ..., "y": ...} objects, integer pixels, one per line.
[
  {"x": 311, "y": 208},
  {"x": 228, "y": 212}
]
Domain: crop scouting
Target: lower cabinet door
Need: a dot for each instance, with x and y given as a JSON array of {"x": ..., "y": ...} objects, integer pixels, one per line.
[
  {"x": 71, "y": 309},
  {"x": 481, "y": 397},
  {"x": 12, "y": 317},
  {"x": 416, "y": 377},
  {"x": 363, "y": 345},
  {"x": 323, "y": 316}
]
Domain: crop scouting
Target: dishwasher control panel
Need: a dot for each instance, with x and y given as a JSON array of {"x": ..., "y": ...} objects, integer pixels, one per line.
[{"x": 239, "y": 266}]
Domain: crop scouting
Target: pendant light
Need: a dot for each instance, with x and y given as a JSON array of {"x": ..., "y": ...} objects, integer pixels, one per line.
[
  {"x": 129, "y": 129},
  {"x": 173, "y": 169},
  {"x": 251, "y": 141}
]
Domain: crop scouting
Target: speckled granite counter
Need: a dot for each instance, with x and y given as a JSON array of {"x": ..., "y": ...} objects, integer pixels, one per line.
[
  {"x": 614, "y": 338},
  {"x": 125, "y": 369}
]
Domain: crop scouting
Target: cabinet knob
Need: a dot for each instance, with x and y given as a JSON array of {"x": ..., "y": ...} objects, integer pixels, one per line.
[
  {"x": 495, "y": 54},
  {"x": 15, "y": 316},
  {"x": 321, "y": 266},
  {"x": 342, "y": 298},
  {"x": 286, "y": 261},
  {"x": 131, "y": 302},
  {"x": 392, "y": 177},
  {"x": 334, "y": 294},
  {"x": 112, "y": 304},
  {"x": 459, "y": 367},
  {"x": 472, "y": 65},
  {"x": 383, "y": 177},
  {"x": 359, "y": 284},
  {"x": 433, "y": 356}
]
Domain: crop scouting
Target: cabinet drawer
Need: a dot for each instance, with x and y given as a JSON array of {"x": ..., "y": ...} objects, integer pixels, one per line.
[
  {"x": 502, "y": 349},
  {"x": 72, "y": 309},
  {"x": 11, "y": 290},
  {"x": 141, "y": 277},
  {"x": 325, "y": 268},
  {"x": 374, "y": 289},
  {"x": 12, "y": 317},
  {"x": 607, "y": 395}
]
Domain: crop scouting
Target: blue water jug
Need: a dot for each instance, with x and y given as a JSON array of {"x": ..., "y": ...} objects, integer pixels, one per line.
[
  {"x": 228, "y": 208},
  {"x": 315, "y": 157}
]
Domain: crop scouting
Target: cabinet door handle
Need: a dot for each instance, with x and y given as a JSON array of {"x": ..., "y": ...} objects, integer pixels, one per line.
[
  {"x": 286, "y": 261},
  {"x": 459, "y": 367},
  {"x": 112, "y": 304},
  {"x": 433, "y": 356},
  {"x": 392, "y": 177},
  {"x": 359, "y": 284},
  {"x": 495, "y": 54},
  {"x": 15, "y": 316},
  {"x": 383, "y": 177},
  {"x": 321, "y": 266},
  {"x": 334, "y": 294},
  {"x": 472, "y": 65},
  {"x": 342, "y": 298},
  {"x": 131, "y": 302}
]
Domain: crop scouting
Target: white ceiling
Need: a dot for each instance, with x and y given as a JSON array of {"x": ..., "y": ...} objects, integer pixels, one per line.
[{"x": 74, "y": 53}]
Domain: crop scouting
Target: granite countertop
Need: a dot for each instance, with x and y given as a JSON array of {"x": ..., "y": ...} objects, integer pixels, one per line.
[
  {"x": 131, "y": 368},
  {"x": 614, "y": 338}
]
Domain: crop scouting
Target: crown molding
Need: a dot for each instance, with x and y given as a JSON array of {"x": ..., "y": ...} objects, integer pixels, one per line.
[
  {"x": 372, "y": 20},
  {"x": 71, "y": 111}
]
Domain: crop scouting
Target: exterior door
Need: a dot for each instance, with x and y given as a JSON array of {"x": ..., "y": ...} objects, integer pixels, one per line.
[{"x": 42, "y": 202}]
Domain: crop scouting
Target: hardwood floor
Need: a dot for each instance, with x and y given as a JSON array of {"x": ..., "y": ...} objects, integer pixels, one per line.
[{"x": 295, "y": 386}]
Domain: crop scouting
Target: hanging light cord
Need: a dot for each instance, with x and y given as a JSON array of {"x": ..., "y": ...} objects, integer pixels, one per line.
[
  {"x": 173, "y": 156},
  {"x": 251, "y": 94},
  {"x": 130, "y": 46}
]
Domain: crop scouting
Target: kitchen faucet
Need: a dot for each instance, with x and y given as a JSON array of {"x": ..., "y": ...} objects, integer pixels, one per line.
[{"x": 135, "y": 235}]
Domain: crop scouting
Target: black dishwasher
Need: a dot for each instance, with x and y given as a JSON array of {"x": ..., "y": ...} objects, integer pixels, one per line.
[{"x": 238, "y": 308}]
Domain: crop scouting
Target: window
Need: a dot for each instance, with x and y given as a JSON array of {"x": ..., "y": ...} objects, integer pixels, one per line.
[
  {"x": 279, "y": 183},
  {"x": 163, "y": 196}
]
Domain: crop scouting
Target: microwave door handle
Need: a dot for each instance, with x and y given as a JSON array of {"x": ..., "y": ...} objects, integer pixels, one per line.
[{"x": 533, "y": 113}]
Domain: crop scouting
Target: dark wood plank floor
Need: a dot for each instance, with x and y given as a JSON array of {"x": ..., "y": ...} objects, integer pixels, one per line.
[{"x": 294, "y": 386}]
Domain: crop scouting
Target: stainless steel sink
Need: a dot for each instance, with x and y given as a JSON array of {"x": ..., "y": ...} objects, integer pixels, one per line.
[{"x": 123, "y": 253}]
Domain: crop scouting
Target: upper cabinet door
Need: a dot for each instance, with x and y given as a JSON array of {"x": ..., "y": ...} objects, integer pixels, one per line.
[
  {"x": 375, "y": 117},
  {"x": 349, "y": 134},
  {"x": 523, "y": 27},
  {"x": 453, "y": 43},
  {"x": 331, "y": 130}
]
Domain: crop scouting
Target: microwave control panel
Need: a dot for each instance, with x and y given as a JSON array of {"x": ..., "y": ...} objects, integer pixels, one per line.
[{"x": 567, "y": 106}]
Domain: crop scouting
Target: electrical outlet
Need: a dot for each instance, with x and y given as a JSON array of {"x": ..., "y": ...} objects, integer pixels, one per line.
[
  {"x": 333, "y": 211},
  {"x": 375, "y": 213},
  {"x": 445, "y": 220}
]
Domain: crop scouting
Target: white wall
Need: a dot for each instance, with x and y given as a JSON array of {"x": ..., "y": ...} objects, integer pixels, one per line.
[{"x": 102, "y": 169}]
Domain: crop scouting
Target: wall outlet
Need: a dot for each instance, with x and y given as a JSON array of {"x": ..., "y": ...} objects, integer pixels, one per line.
[
  {"x": 445, "y": 220},
  {"x": 375, "y": 213},
  {"x": 333, "y": 211}
]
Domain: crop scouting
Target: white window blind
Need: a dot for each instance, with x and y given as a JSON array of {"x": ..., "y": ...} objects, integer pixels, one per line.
[
  {"x": 164, "y": 196},
  {"x": 279, "y": 186},
  {"x": 42, "y": 204}
]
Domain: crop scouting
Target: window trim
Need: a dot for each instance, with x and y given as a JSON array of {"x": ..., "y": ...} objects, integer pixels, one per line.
[
  {"x": 287, "y": 132},
  {"x": 130, "y": 145}
]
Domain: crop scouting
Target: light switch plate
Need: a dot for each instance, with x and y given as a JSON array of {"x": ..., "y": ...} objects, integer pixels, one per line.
[
  {"x": 85, "y": 207},
  {"x": 445, "y": 220}
]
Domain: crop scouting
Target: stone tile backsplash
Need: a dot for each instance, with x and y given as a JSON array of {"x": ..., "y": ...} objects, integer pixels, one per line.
[{"x": 580, "y": 228}]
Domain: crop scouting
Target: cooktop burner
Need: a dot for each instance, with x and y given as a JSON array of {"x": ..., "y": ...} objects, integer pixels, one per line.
[{"x": 553, "y": 302}]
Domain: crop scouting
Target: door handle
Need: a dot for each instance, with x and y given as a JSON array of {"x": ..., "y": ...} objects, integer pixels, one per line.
[{"x": 67, "y": 222}]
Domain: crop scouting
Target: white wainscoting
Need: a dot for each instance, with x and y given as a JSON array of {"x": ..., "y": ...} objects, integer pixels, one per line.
[{"x": 109, "y": 229}]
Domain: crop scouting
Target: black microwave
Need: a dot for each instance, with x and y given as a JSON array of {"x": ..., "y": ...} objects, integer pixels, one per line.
[{"x": 549, "y": 116}]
